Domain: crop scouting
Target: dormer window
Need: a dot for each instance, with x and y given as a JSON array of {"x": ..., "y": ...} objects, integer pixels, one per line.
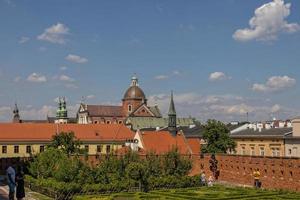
[{"x": 129, "y": 108}]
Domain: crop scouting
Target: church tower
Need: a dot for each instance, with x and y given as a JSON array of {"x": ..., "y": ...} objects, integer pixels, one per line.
[
  {"x": 62, "y": 113},
  {"x": 172, "y": 127},
  {"x": 134, "y": 97},
  {"x": 16, "y": 117}
]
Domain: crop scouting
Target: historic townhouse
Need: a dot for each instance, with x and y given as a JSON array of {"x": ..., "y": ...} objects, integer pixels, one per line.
[{"x": 25, "y": 140}]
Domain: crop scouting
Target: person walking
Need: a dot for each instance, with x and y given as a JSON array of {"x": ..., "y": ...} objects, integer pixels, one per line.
[
  {"x": 256, "y": 175},
  {"x": 203, "y": 178},
  {"x": 20, "y": 192},
  {"x": 11, "y": 176}
]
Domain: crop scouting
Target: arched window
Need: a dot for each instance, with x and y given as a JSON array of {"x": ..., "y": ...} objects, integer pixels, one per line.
[{"x": 129, "y": 108}]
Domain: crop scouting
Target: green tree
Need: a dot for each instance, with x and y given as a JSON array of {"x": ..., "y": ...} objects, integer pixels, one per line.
[
  {"x": 67, "y": 142},
  {"x": 46, "y": 163},
  {"x": 175, "y": 164},
  {"x": 216, "y": 135}
]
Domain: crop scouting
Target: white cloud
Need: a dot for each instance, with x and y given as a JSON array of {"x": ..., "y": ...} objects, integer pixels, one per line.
[
  {"x": 176, "y": 72},
  {"x": 55, "y": 34},
  {"x": 23, "y": 40},
  {"x": 76, "y": 59},
  {"x": 268, "y": 21},
  {"x": 274, "y": 83},
  {"x": 275, "y": 108},
  {"x": 226, "y": 107},
  {"x": 66, "y": 78},
  {"x": 63, "y": 68},
  {"x": 91, "y": 96},
  {"x": 218, "y": 76},
  {"x": 161, "y": 77},
  {"x": 71, "y": 86},
  {"x": 38, "y": 78}
]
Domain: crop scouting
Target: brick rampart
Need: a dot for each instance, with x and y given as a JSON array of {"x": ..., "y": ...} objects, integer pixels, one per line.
[{"x": 276, "y": 173}]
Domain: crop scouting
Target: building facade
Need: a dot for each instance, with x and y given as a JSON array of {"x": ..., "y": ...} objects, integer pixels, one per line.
[
  {"x": 25, "y": 140},
  {"x": 134, "y": 104}
]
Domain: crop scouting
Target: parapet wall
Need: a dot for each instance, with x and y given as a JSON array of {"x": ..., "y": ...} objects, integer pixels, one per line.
[{"x": 276, "y": 173}]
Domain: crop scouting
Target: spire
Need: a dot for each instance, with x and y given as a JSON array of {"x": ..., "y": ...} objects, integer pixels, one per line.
[
  {"x": 172, "y": 110},
  {"x": 172, "y": 127},
  {"x": 16, "y": 117},
  {"x": 134, "y": 80}
]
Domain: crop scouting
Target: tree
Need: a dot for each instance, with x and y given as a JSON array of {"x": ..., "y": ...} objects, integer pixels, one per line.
[
  {"x": 176, "y": 165},
  {"x": 216, "y": 135},
  {"x": 67, "y": 142}
]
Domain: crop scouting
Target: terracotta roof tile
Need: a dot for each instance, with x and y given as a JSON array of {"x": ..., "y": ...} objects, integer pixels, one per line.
[
  {"x": 161, "y": 142},
  {"x": 44, "y": 132},
  {"x": 102, "y": 110}
]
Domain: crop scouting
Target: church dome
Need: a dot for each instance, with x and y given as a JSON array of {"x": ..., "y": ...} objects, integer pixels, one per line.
[{"x": 134, "y": 91}]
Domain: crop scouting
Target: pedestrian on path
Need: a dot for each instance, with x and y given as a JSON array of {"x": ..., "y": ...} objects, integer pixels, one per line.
[
  {"x": 11, "y": 177},
  {"x": 20, "y": 193}
]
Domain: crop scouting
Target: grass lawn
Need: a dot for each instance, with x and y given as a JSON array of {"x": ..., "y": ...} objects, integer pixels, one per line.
[{"x": 215, "y": 192}]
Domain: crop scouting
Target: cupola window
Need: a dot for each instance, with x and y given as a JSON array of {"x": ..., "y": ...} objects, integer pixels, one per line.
[{"x": 129, "y": 108}]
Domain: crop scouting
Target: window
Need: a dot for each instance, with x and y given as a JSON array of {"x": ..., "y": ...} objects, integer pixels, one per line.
[
  {"x": 98, "y": 148},
  {"x": 120, "y": 122},
  {"x": 243, "y": 151},
  {"x": 16, "y": 149},
  {"x": 86, "y": 147},
  {"x": 96, "y": 122},
  {"x": 108, "y": 149},
  {"x": 4, "y": 149},
  {"x": 290, "y": 151},
  {"x": 129, "y": 108},
  {"x": 262, "y": 151},
  {"x": 107, "y": 122},
  {"x": 42, "y": 148},
  {"x": 28, "y": 149},
  {"x": 252, "y": 151}
]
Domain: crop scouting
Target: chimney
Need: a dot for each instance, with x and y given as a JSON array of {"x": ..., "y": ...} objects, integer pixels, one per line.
[{"x": 296, "y": 127}]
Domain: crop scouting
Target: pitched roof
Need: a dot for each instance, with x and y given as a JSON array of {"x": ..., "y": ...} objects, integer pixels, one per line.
[
  {"x": 153, "y": 122},
  {"x": 155, "y": 110},
  {"x": 103, "y": 110},
  {"x": 162, "y": 142},
  {"x": 195, "y": 131},
  {"x": 272, "y": 132},
  {"x": 44, "y": 132}
]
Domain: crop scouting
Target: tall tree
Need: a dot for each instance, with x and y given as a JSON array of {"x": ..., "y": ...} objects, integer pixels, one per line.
[
  {"x": 67, "y": 142},
  {"x": 216, "y": 135}
]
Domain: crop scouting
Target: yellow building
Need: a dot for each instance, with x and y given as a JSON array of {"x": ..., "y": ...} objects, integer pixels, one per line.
[
  {"x": 25, "y": 140},
  {"x": 261, "y": 142}
]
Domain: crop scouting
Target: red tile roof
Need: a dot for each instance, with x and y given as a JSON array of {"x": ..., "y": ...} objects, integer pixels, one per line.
[
  {"x": 44, "y": 132},
  {"x": 161, "y": 142},
  {"x": 102, "y": 110}
]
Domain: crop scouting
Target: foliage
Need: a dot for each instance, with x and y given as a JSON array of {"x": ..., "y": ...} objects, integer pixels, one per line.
[
  {"x": 67, "y": 142},
  {"x": 57, "y": 170},
  {"x": 216, "y": 135},
  {"x": 175, "y": 164}
]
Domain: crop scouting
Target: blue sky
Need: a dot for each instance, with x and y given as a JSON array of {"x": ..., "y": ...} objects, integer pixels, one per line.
[{"x": 218, "y": 65}]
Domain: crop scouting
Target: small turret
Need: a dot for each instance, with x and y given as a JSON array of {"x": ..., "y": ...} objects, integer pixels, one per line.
[
  {"x": 16, "y": 117},
  {"x": 172, "y": 127},
  {"x": 61, "y": 113}
]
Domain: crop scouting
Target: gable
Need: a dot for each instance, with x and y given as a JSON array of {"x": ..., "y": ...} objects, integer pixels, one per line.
[{"x": 143, "y": 111}]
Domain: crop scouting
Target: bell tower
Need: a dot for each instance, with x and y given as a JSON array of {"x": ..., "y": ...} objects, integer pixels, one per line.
[
  {"x": 16, "y": 117},
  {"x": 172, "y": 127}
]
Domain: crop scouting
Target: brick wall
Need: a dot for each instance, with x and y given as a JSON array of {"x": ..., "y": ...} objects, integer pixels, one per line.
[
  {"x": 276, "y": 173},
  {"x": 279, "y": 173}
]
